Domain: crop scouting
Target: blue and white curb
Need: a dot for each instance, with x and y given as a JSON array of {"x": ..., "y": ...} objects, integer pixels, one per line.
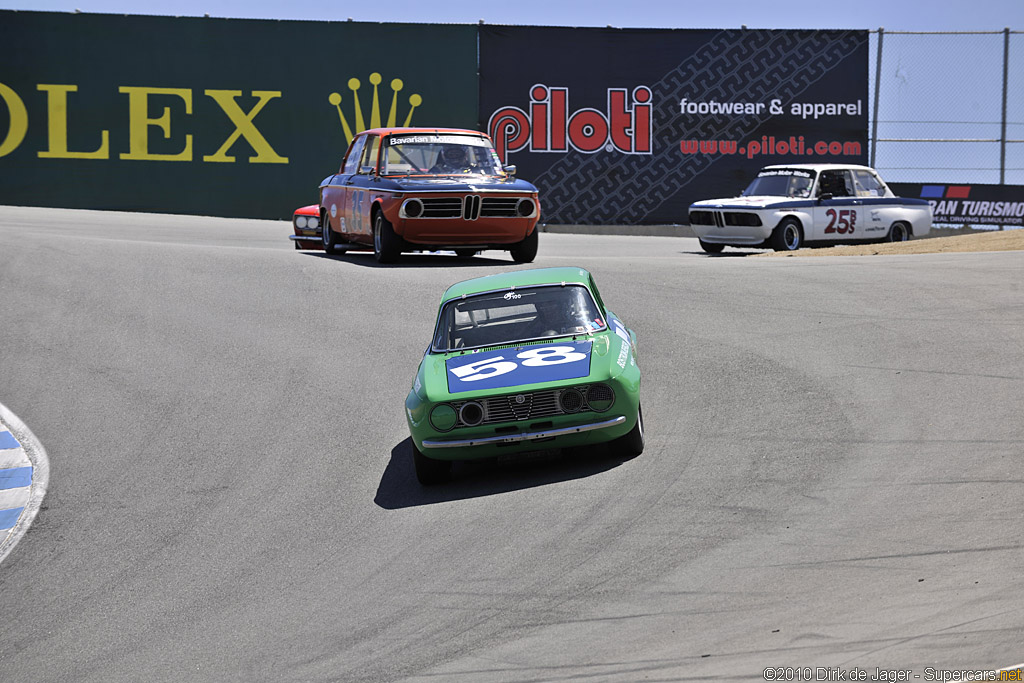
[{"x": 24, "y": 473}]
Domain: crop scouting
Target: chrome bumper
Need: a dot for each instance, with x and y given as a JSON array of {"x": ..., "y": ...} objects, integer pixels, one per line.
[{"x": 525, "y": 436}]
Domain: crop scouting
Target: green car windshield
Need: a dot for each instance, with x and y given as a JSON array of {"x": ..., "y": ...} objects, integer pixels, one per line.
[
  {"x": 517, "y": 315},
  {"x": 429, "y": 154}
]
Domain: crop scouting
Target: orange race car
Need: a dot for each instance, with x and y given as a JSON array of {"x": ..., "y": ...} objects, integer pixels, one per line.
[
  {"x": 306, "y": 226},
  {"x": 426, "y": 189}
]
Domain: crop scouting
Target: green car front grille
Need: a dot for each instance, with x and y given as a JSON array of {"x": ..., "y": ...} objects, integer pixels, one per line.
[{"x": 534, "y": 405}]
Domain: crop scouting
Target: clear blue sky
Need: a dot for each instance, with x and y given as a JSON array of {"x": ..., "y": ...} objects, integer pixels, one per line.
[{"x": 893, "y": 15}]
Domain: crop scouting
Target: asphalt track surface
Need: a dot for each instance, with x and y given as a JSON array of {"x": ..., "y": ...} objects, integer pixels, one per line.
[{"x": 832, "y": 475}]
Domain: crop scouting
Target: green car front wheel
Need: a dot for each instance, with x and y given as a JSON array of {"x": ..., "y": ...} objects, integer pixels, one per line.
[
  {"x": 632, "y": 443},
  {"x": 428, "y": 470}
]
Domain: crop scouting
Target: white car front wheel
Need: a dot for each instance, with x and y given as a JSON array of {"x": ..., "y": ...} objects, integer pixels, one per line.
[
  {"x": 788, "y": 235},
  {"x": 711, "y": 247}
]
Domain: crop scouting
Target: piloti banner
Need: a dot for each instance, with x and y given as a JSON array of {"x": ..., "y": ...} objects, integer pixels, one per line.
[
  {"x": 221, "y": 117},
  {"x": 630, "y": 126},
  {"x": 969, "y": 204}
]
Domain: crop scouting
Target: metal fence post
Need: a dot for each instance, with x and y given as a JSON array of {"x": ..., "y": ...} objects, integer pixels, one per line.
[
  {"x": 1006, "y": 80},
  {"x": 878, "y": 81},
  {"x": 1002, "y": 134}
]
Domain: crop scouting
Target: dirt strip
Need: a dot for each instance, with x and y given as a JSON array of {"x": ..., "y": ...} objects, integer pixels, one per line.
[{"x": 997, "y": 240}]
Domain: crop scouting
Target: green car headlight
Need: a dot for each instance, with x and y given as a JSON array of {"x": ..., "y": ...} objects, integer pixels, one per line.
[
  {"x": 600, "y": 397},
  {"x": 443, "y": 417}
]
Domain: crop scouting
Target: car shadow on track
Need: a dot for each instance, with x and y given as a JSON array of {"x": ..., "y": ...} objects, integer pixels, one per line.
[
  {"x": 428, "y": 260},
  {"x": 724, "y": 254},
  {"x": 399, "y": 488}
]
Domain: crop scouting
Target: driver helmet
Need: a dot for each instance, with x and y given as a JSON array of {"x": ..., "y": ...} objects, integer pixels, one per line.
[
  {"x": 800, "y": 187},
  {"x": 453, "y": 155}
]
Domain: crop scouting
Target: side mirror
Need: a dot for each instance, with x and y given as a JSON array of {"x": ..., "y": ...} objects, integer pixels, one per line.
[
  {"x": 366, "y": 170},
  {"x": 825, "y": 195},
  {"x": 510, "y": 171}
]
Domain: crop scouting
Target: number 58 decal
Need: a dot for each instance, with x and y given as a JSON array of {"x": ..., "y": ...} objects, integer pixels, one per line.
[
  {"x": 842, "y": 222},
  {"x": 540, "y": 364},
  {"x": 497, "y": 365}
]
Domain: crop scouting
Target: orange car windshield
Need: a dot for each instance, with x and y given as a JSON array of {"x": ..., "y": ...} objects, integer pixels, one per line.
[{"x": 439, "y": 155}]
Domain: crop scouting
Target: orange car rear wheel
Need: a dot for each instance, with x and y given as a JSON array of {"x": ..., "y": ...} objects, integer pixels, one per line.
[{"x": 329, "y": 237}]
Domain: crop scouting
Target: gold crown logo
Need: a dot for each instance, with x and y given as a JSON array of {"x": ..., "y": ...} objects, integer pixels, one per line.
[{"x": 360, "y": 125}]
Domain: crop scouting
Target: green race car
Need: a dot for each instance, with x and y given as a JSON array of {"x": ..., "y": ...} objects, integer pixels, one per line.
[{"x": 523, "y": 361}]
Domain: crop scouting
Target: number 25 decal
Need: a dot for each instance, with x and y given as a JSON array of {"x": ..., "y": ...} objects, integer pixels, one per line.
[
  {"x": 845, "y": 224},
  {"x": 497, "y": 365}
]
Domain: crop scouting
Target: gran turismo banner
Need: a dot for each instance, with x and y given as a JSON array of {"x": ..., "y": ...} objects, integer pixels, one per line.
[
  {"x": 969, "y": 204},
  {"x": 630, "y": 126},
  {"x": 221, "y": 117}
]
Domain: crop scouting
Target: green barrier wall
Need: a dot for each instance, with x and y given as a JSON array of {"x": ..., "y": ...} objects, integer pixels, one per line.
[{"x": 221, "y": 117}]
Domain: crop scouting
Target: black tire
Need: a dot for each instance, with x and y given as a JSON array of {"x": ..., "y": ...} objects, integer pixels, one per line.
[
  {"x": 788, "y": 235},
  {"x": 386, "y": 244},
  {"x": 898, "y": 233},
  {"x": 711, "y": 248},
  {"x": 632, "y": 444},
  {"x": 525, "y": 251},
  {"x": 428, "y": 470},
  {"x": 328, "y": 236},
  {"x": 465, "y": 253}
]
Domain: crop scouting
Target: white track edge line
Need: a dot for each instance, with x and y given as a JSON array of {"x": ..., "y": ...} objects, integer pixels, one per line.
[{"x": 40, "y": 478}]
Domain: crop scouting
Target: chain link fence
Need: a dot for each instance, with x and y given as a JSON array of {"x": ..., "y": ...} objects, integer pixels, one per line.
[{"x": 947, "y": 107}]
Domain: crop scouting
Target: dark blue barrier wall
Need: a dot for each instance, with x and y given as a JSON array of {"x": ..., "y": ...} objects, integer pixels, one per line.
[
  {"x": 630, "y": 126},
  {"x": 233, "y": 117},
  {"x": 969, "y": 204}
]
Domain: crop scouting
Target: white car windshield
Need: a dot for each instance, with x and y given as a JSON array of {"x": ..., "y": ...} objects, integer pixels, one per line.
[
  {"x": 443, "y": 154},
  {"x": 517, "y": 315},
  {"x": 781, "y": 182}
]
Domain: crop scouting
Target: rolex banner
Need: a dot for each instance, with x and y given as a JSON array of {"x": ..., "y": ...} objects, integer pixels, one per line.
[
  {"x": 222, "y": 117},
  {"x": 630, "y": 126}
]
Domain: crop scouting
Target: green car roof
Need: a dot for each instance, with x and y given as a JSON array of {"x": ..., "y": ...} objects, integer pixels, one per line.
[{"x": 518, "y": 278}]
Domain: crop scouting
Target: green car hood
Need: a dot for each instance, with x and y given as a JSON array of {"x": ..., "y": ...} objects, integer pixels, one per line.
[{"x": 491, "y": 371}]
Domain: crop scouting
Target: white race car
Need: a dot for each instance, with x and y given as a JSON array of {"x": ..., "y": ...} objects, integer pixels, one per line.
[{"x": 786, "y": 207}]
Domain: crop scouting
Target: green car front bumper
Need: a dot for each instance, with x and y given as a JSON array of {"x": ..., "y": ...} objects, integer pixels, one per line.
[
  {"x": 536, "y": 432},
  {"x": 539, "y": 435}
]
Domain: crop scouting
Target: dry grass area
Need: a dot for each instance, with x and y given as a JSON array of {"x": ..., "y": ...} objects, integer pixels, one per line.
[{"x": 998, "y": 240}]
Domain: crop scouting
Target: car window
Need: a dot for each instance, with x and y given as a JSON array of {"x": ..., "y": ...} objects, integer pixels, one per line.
[
  {"x": 439, "y": 154},
  {"x": 351, "y": 166},
  {"x": 595, "y": 292},
  {"x": 868, "y": 184},
  {"x": 516, "y": 315},
  {"x": 781, "y": 182},
  {"x": 369, "y": 160},
  {"x": 838, "y": 183}
]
